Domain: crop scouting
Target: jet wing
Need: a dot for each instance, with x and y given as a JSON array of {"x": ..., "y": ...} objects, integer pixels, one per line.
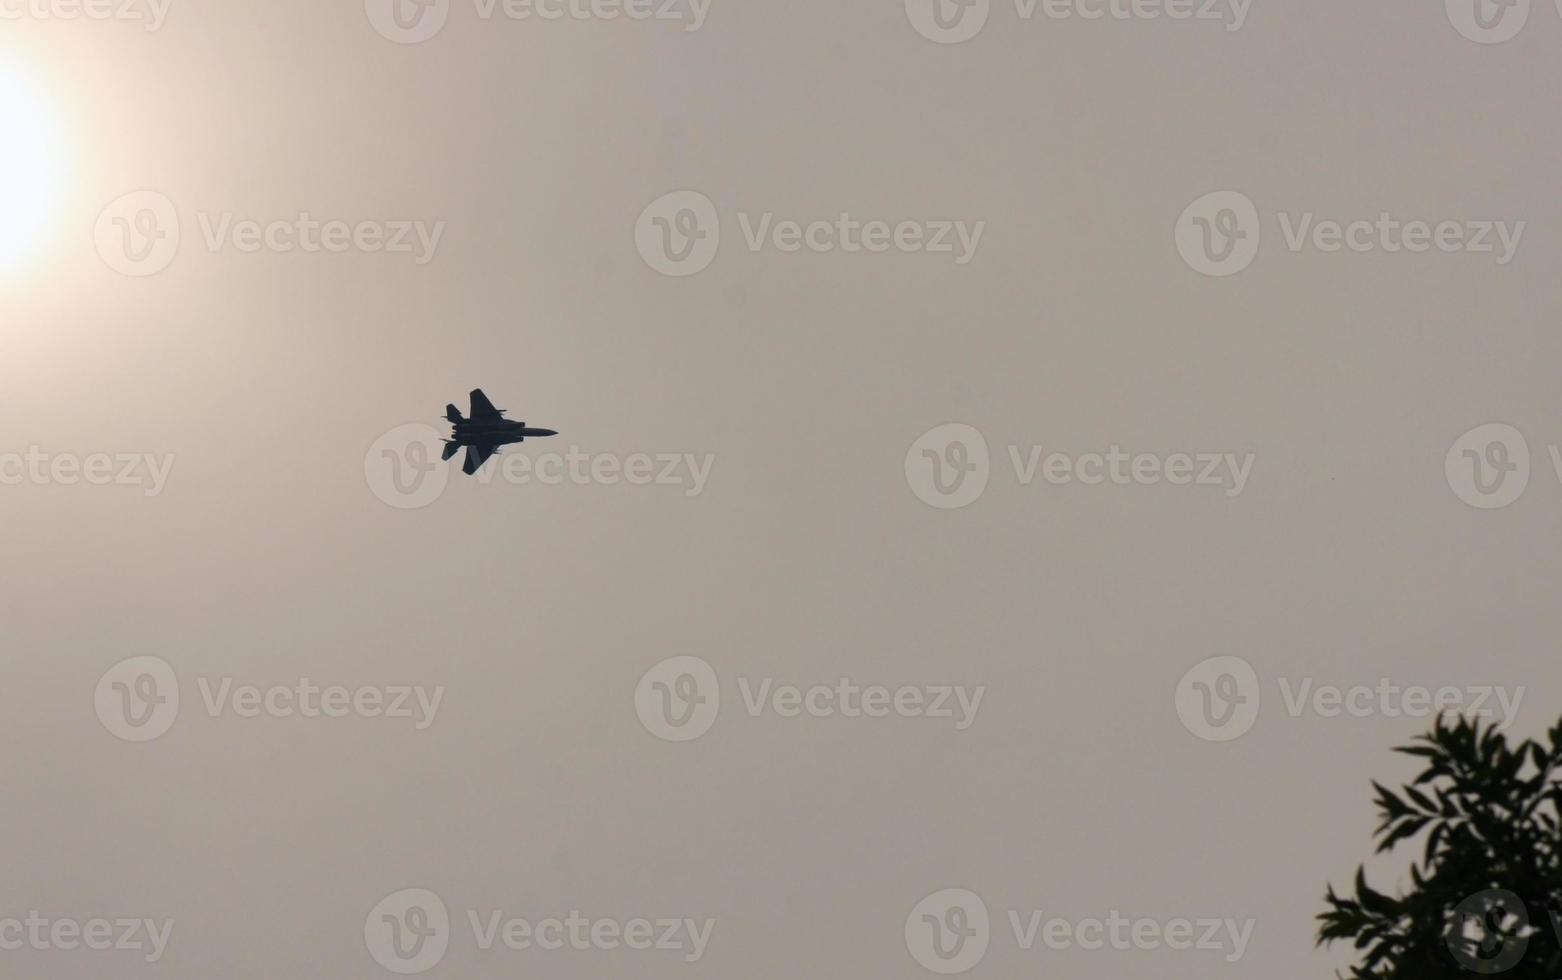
[
  {"x": 476, "y": 455},
  {"x": 482, "y": 409}
]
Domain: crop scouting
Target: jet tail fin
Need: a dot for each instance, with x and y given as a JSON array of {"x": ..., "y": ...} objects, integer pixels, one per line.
[
  {"x": 450, "y": 450},
  {"x": 453, "y": 414}
]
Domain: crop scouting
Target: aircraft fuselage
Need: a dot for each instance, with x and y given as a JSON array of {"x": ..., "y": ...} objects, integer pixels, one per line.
[
  {"x": 485, "y": 432},
  {"x": 498, "y": 431}
]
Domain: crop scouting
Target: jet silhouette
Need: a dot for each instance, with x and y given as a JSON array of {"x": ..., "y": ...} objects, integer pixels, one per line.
[{"x": 483, "y": 433}]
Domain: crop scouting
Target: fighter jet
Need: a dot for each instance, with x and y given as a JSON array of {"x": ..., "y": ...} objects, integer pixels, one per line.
[{"x": 483, "y": 433}]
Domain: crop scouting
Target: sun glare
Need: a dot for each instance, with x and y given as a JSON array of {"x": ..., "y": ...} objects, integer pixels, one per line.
[{"x": 29, "y": 169}]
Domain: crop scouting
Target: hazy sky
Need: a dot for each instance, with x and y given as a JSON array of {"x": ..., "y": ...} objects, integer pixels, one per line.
[{"x": 246, "y": 396}]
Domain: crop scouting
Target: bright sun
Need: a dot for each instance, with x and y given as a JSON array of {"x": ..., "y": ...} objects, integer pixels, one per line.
[{"x": 29, "y": 168}]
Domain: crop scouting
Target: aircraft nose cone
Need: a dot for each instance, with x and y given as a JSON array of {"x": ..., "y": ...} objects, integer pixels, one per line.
[{"x": 546, "y": 432}]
